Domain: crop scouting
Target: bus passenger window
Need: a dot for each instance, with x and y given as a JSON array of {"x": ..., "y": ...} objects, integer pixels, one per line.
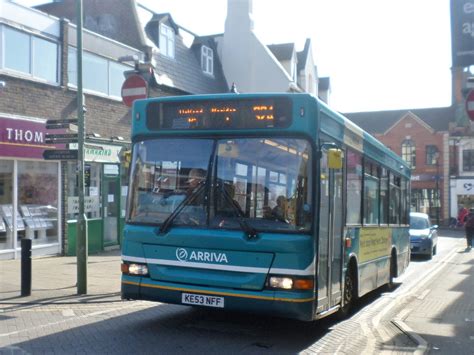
[
  {"x": 354, "y": 187},
  {"x": 394, "y": 207}
]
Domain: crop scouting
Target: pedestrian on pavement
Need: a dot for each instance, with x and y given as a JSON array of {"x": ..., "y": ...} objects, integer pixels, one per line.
[
  {"x": 462, "y": 215},
  {"x": 469, "y": 228}
]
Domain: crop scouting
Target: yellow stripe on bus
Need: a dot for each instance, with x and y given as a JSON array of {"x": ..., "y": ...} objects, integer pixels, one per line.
[{"x": 221, "y": 293}]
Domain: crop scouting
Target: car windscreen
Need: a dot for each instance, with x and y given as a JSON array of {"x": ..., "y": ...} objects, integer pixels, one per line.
[{"x": 419, "y": 223}]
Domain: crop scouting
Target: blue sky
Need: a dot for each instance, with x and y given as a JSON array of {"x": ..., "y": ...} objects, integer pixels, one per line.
[{"x": 379, "y": 54}]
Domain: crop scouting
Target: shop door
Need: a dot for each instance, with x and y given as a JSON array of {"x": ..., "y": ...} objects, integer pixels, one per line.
[
  {"x": 330, "y": 236},
  {"x": 111, "y": 203}
]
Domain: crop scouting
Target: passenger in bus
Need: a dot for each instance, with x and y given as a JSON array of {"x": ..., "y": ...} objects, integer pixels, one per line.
[
  {"x": 195, "y": 177},
  {"x": 279, "y": 211},
  {"x": 194, "y": 212}
]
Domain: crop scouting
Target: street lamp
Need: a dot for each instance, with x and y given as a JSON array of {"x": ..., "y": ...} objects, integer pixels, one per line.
[{"x": 438, "y": 204}]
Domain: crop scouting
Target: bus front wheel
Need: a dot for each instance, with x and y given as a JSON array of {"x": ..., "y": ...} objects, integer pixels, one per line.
[{"x": 350, "y": 293}]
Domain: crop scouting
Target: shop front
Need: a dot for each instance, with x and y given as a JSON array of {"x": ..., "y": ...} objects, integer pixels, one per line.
[
  {"x": 462, "y": 195},
  {"x": 105, "y": 195},
  {"x": 30, "y": 193}
]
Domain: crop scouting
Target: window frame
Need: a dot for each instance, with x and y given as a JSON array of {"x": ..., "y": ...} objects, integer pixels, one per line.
[
  {"x": 468, "y": 167},
  {"x": 32, "y": 49},
  {"x": 72, "y": 66},
  {"x": 408, "y": 148},
  {"x": 431, "y": 154},
  {"x": 166, "y": 41},
  {"x": 207, "y": 60}
]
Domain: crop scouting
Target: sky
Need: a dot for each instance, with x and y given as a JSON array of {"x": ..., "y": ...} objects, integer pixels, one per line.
[{"x": 379, "y": 54}]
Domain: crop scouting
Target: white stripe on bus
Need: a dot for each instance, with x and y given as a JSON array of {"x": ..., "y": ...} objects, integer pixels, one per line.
[{"x": 310, "y": 270}]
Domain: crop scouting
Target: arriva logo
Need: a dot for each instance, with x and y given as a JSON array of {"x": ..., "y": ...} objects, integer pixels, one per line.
[{"x": 183, "y": 255}]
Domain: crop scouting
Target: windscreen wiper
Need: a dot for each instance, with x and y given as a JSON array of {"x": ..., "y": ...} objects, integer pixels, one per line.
[
  {"x": 249, "y": 230},
  {"x": 189, "y": 199}
]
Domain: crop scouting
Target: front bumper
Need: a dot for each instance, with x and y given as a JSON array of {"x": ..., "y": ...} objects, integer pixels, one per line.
[
  {"x": 287, "y": 304},
  {"x": 421, "y": 246}
]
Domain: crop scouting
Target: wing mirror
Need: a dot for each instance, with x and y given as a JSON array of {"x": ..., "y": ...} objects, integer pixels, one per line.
[{"x": 435, "y": 226}]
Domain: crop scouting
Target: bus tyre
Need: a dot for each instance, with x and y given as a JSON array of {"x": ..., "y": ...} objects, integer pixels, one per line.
[
  {"x": 393, "y": 272},
  {"x": 350, "y": 293}
]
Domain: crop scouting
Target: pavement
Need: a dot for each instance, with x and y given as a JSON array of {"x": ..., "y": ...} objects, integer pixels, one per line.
[
  {"x": 54, "y": 280},
  {"x": 439, "y": 313},
  {"x": 437, "y": 316}
]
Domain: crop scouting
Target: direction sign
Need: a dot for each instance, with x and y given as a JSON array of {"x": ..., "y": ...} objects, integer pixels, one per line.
[
  {"x": 66, "y": 120},
  {"x": 60, "y": 154},
  {"x": 61, "y": 135},
  {"x": 134, "y": 88},
  {"x": 61, "y": 140},
  {"x": 69, "y": 126},
  {"x": 470, "y": 105}
]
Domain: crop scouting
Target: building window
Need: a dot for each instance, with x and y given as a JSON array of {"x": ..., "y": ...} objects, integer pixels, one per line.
[
  {"x": 166, "y": 41},
  {"x": 431, "y": 155},
  {"x": 31, "y": 55},
  {"x": 408, "y": 153},
  {"x": 207, "y": 60},
  {"x": 468, "y": 160},
  {"x": 100, "y": 75}
]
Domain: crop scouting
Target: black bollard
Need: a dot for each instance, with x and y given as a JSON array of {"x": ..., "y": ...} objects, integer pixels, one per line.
[{"x": 25, "y": 267}]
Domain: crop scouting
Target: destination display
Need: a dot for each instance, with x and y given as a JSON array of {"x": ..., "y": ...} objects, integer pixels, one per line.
[{"x": 229, "y": 114}]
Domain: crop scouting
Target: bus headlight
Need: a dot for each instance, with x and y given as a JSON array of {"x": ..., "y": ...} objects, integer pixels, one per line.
[
  {"x": 290, "y": 283},
  {"x": 281, "y": 282},
  {"x": 135, "y": 269}
]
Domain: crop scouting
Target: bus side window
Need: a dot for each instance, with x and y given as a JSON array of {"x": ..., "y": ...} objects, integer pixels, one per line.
[
  {"x": 353, "y": 187},
  {"x": 394, "y": 208}
]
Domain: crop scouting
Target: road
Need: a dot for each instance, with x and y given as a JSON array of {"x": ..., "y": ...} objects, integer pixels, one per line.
[{"x": 132, "y": 326}]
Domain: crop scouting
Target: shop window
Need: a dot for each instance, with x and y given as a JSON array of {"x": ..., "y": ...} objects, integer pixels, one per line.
[
  {"x": 6, "y": 202},
  {"x": 354, "y": 187},
  {"x": 38, "y": 200},
  {"x": 30, "y": 55},
  {"x": 92, "y": 191}
]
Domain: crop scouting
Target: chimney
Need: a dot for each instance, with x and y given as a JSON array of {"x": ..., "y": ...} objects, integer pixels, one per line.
[{"x": 239, "y": 15}]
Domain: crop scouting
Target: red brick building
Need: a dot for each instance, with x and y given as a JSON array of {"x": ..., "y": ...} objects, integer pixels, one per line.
[{"x": 421, "y": 138}]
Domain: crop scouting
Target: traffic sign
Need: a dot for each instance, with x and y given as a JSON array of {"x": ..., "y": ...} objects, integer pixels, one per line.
[
  {"x": 134, "y": 88},
  {"x": 60, "y": 154},
  {"x": 470, "y": 105}
]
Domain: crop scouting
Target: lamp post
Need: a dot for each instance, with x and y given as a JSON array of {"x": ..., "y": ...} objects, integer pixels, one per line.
[{"x": 438, "y": 204}]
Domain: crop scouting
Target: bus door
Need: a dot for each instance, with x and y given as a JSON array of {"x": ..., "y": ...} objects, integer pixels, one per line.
[{"x": 330, "y": 234}]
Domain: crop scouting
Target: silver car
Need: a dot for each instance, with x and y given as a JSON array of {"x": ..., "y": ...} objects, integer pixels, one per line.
[{"x": 423, "y": 235}]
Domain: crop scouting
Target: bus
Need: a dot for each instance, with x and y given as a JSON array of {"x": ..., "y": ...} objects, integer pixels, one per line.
[{"x": 265, "y": 203}]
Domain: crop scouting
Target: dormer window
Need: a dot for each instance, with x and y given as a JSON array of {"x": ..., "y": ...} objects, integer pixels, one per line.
[
  {"x": 207, "y": 60},
  {"x": 166, "y": 41}
]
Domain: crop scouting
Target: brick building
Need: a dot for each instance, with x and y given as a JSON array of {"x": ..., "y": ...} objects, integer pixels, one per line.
[
  {"x": 38, "y": 197},
  {"x": 421, "y": 138}
]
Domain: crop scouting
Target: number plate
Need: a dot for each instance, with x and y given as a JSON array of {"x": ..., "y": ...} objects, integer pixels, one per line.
[{"x": 202, "y": 300}]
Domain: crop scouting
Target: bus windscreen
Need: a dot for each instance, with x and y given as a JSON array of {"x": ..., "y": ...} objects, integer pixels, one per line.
[{"x": 227, "y": 114}]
